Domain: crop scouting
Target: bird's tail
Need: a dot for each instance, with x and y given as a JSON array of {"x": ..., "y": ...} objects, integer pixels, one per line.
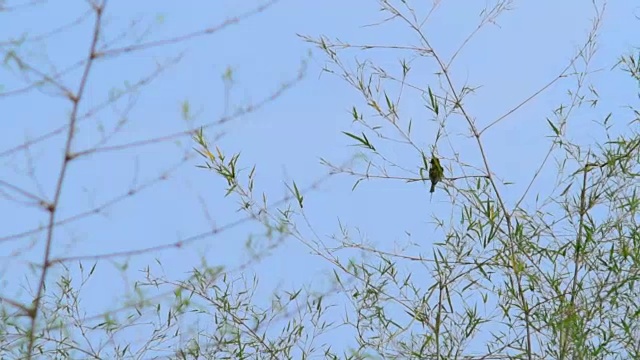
[{"x": 433, "y": 187}]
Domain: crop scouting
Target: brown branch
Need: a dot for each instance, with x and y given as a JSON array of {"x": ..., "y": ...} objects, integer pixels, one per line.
[
  {"x": 20, "y": 6},
  {"x": 99, "y": 9},
  {"x": 23, "y": 192},
  {"x": 50, "y": 33},
  {"x": 181, "y": 38},
  {"x": 140, "y": 83},
  {"x": 243, "y": 111},
  {"x": 179, "y": 244},
  {"x": 248, "y": 109},
  {"x": 100, "y": 208}
]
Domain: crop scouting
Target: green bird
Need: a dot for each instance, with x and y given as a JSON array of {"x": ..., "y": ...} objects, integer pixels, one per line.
[{"x": 436, "y": 173}]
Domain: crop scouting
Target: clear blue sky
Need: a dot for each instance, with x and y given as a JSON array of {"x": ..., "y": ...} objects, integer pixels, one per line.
[{"x": 285, "y": 139}]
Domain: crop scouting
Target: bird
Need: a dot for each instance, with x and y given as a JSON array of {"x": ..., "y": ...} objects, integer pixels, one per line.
[{"x": 435, "y": 173}]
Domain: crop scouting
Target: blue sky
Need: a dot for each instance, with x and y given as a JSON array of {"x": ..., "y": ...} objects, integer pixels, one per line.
[{"x": 286, "y": 138}]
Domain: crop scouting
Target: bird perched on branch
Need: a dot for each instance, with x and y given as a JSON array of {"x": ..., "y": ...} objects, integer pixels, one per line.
[{"x": 436, "y": 173}]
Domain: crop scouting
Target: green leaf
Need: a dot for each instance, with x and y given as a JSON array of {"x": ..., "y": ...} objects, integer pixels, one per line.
[
  {"x": 434, "y": 102},
  {"x": 356, "y": 184},
  {"x": 186, "y": 110},
  {"x": 389, "y": 103},
  {"x": 364, "y": 142},
  {"x": 553, "y": 127},
  {"x": 297, "y": 194}
]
